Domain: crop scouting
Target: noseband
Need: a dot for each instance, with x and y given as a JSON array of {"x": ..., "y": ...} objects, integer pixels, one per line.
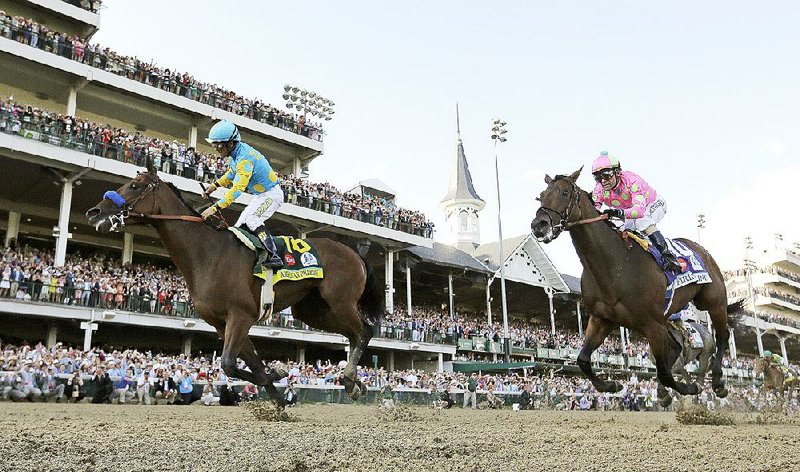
[
  {"x": 117, "y": 220},
  {"x": 564, "y": 223}
]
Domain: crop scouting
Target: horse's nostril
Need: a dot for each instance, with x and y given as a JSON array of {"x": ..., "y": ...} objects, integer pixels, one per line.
[{"x": 92, "y": 212}]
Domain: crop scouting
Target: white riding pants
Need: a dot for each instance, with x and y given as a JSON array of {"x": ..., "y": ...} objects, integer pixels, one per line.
[
  {"x": 653, "y": 213},
  {"x": 261, "y": 208}
]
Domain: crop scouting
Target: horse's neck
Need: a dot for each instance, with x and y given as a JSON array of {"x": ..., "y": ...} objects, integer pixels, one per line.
[
  {"x": 191, "y": 246},
  {"x": 599, "y": 247}
]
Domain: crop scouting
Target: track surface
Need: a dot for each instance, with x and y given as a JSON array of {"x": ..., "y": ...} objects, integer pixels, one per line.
[{"x": 346, "y": 437}]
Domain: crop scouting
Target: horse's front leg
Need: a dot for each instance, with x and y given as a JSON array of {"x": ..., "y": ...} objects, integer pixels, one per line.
[
  {"x": 262, "y": 378},
  {"x": 596, "y": 332}
]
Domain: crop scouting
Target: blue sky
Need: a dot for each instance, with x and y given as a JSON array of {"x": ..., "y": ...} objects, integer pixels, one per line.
[{"x": 700, "y": 98}]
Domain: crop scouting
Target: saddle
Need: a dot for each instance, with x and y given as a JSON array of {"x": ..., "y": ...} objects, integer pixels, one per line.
[{"x": 300, "y": 261}]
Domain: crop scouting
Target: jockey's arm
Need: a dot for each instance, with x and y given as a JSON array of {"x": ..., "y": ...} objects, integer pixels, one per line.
[
  {"x": 638, "y": 200},
  {"x": 244, "y": 171},
  {"x": 227, "y": 178}
]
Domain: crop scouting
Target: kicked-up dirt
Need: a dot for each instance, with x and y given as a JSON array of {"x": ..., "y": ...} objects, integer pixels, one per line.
[{"x": 66, "y": 437}]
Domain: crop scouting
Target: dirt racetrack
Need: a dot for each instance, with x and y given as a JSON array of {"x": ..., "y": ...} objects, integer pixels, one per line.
[{"x": 59, "y": 437}]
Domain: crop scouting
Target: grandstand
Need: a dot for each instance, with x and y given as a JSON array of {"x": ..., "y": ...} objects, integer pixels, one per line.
[{"x": 78, "y": 120}]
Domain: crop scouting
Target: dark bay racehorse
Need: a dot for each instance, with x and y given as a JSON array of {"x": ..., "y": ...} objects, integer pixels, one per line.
[
  {"x": 218, "y": 272},
  {"x": 703, "y": 355},
  {"x": 624, "y": 286}
]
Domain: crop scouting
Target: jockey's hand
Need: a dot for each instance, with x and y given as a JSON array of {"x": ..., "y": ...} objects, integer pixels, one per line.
[
  {"x": 209, "y": 190},
  {"x": 209, "y": 211},
  {"x": 614, "y": 213}
]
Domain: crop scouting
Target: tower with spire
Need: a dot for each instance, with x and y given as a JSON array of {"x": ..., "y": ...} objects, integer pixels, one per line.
[{"x": 462, "y": 204}]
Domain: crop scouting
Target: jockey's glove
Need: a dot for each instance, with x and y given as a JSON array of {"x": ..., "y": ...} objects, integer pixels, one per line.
[
  {"x": 614, "y": 213},
  {"x": 209, "y": 211},
  {"x": 209, "y": 190}
]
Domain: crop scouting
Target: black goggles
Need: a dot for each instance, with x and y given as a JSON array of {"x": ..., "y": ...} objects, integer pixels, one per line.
[{"x": 603, "y": 175}]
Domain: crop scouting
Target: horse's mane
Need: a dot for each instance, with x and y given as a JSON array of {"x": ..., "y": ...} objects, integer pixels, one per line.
[
  {"x": 180, "y": 197},
  {"x": 586, "y": 194}
]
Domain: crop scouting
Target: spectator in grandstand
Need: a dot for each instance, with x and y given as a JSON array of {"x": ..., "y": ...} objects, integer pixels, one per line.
[
  {"x": 186, "y": 388},
  {"x": 290, "y": 396},
  {"x": 166, "y": 389},
  {"x": 103, "y": 387},
  {"x": 227, "y": 395},
  {"x": 640, "y": 209},
  {"x": 75, "y": 387},
  {"x": 210, "y": 396},
  {"x": 249, "y": 171},
  {"x": 470, "y": 391},
  {"x": 143, "y": 386},
  {"x": 525, "y": 399},
  {"x": 49, "y": 386},
  {"x": 124, "y": 388}
]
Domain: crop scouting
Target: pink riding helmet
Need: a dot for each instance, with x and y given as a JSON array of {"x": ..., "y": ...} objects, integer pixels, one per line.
[{"x": 604, "y": 161}]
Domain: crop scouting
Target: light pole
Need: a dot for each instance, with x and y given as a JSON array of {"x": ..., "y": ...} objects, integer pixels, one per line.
[
  {"x": 701, "y": 225},
  {"x": 749, "y": 266},
  {"x": 498, "y": 131}
]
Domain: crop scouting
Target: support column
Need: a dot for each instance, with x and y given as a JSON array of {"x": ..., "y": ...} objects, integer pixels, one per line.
[
  {"x": 408, "y": 288},
  {"x": 391, "y": 361},
  {"x": 389, "y": 281},
  {"x": 127, "y": 249},
  {"x": 552, "y": 311},
  {"x": 450, "y": 294},
  {"x": 441, "y": 362},
  {"x": 52, "y": 335},
  {"x": 732, "y": 343},
  {"x": 580, "y": 321},
  {"x": 489, "y": 300},
  {"x": 623, "y": 339},
  {"x": 759, "y": 343},
  {"x": 63, "y": 234},
  {"x": 187, "y": 345},
  {"x": 12, "y": 233},
  {"x": 193, "y": 137},
  {"x": 301, "y": 353},
  {"x": 297, "y": 167},
  {"x": 782, "y": 339},
  {"x": 72, "y": 101},
  {"x": 88, "y": 327}
]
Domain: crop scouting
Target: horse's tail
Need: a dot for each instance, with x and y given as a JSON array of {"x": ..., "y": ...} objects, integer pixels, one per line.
[
  {"x": 735, "y": 313},
  {"x": 371, "y": 301}
]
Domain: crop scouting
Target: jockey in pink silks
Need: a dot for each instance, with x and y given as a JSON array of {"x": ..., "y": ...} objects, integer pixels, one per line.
[{"x": 633, "y": 201}]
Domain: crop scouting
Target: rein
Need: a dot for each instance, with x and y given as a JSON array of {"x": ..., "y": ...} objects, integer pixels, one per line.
[{"x": 586, "y": 221}]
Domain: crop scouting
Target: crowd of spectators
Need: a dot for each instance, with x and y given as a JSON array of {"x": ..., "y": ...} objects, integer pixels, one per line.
[
  {"x": 178, "y": 158},
  {"x": 63, "y": 373},
  {"x": 89, "y": 5},
  {"x": 31, "y": 33}
]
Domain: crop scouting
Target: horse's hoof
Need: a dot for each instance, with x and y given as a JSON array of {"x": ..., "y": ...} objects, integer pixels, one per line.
[
  {"x": 278, "y": 371},
  {"x": 355, "y": 394},
  {"x": 665, "y": 402},
  {"x": 614, "y": 387},
  {"x": 692, "y": 389},
  {"x": 721, "y": 392}
]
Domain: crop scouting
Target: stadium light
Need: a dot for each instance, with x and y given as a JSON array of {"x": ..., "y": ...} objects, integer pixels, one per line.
[
  {"x": 308, "y": 102},
  {"x": 701, "y": 225},
  {"x": 498, "y": 131}
]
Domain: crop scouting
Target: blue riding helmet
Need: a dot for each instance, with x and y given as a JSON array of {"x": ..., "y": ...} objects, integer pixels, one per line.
[{"x": 222, "y": 132}]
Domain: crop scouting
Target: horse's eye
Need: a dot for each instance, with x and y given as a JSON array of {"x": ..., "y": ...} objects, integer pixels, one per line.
[
  {"x": 134, "y": 186},
  {"x": 565, "y": 194}
]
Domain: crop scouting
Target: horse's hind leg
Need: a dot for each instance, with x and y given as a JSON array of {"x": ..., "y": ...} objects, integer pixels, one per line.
[
  {"x": 358, "y": 344},
  {"x": 596, "y": 332},
  {"x": 719, "y": 319},
  {"x": 666, "y": 351}
]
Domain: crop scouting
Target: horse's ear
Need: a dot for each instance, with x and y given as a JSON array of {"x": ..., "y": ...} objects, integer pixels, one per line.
[
  {"x": 151, "y": 168},
  {"x": 547, "y": 179},
  {"x": 574, "y": 175}
]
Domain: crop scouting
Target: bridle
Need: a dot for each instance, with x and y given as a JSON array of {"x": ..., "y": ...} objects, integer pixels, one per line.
[
  {"x": 117, "y": 220},
  {"x": 563, "y": 222}
]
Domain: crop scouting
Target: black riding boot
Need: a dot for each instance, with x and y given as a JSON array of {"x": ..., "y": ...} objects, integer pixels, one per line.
[
  {"x": 273, "y": 261},
  {"x": 671, "y": 263}
]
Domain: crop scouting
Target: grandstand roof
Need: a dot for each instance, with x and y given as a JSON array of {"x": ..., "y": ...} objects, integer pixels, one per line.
[
  {"x": 373, "y": 184},
  {"x": 449, "y": 256},
  {"x": 574, "y": 283},
  {"x": 526, "y": 262}
]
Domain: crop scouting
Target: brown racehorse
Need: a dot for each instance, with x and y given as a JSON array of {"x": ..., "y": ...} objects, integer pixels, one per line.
[
  {"x": 218, "y": 272},
  {"x": 774, "y": 379},
  {"x": 624, "y": 286}
]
